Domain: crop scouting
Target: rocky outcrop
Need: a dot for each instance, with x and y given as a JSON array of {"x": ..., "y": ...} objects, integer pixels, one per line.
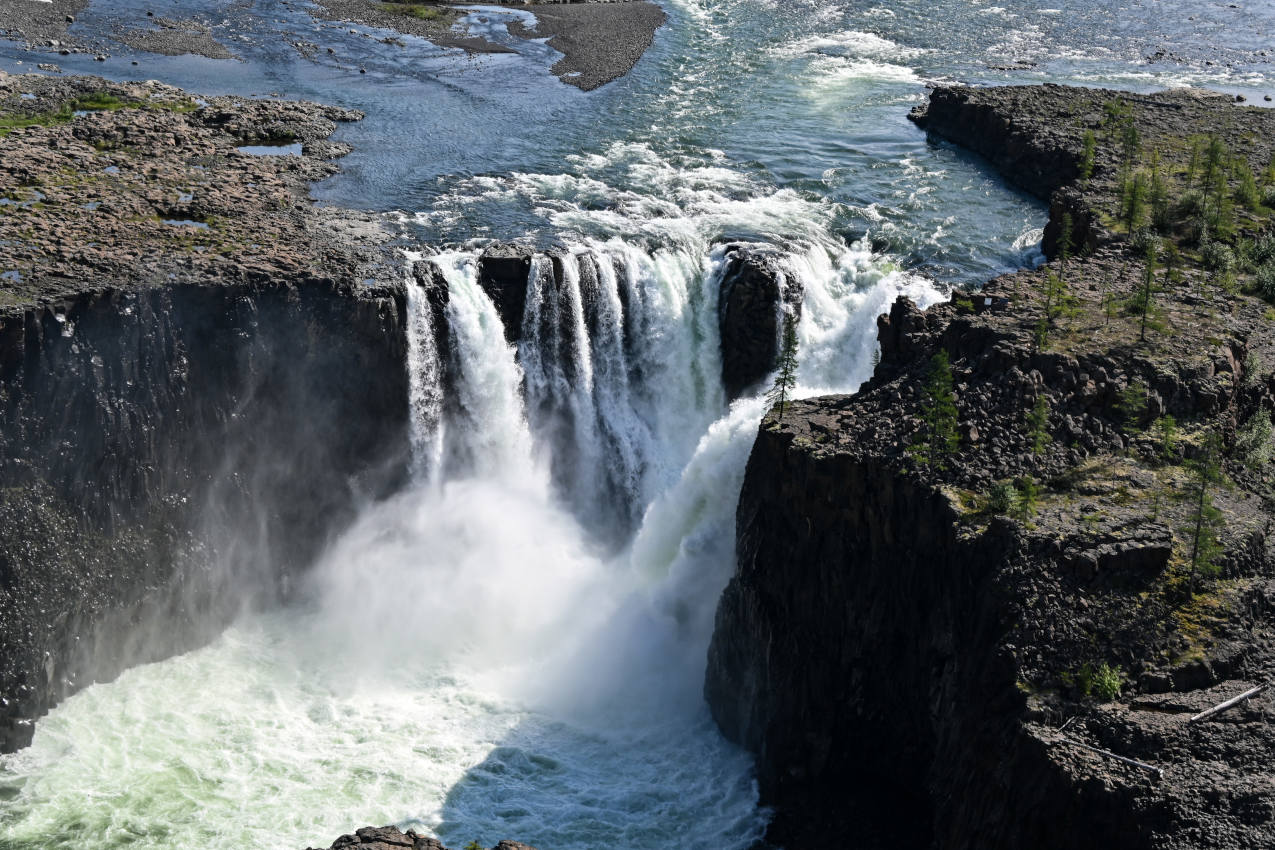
[
  {"x": 390, "y": 838},
  {"x": 201, "y": 375},
  {"x": 503, "y": 270},
  {"x": 1034, "y": 136},
  {"x": 928, "y": 651},
  {"x": 755, "y": 293}
]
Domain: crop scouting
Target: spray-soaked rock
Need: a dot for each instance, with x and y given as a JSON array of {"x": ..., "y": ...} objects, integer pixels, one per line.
[
  {"x": 503, "y": 270},
  {"x": 201, "y": 374},
  {"x": 905, "y": 634},
  {"x": 755, "y": 292},
  {"x": 391, "y": 838}
]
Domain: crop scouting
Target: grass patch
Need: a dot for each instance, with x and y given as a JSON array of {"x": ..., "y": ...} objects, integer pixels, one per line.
[
  {"x": 92, "y": 102},
  {"x": 414, "y": 10}
]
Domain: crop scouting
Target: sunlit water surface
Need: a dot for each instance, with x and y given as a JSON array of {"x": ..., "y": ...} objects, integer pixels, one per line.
[{"x": 478, "y": 657}]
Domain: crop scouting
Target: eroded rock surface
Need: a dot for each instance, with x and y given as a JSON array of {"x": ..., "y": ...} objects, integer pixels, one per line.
[
  {"x": 911, "y": 648},
  {"x": 756, "y": 293},
  {"x": 391, "y": 838}
]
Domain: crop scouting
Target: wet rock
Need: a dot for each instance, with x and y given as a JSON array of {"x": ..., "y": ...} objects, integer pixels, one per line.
[
  {"x": 503, "y": 270},
  {"x": 754, "y": 295},
  {"x": 256, "y": 360},
  {"x": 898, "y": 659},
  {"x": 390, "y": 838}
]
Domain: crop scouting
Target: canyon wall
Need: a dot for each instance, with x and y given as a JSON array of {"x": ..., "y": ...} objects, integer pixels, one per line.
[
  {"x": 171, "y": 454},
  {"x": 911, "y": 642}
]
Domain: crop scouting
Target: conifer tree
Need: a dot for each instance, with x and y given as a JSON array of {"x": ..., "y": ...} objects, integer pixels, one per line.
[
  {"x": 1206, "y": 519},
  {"x": 1038, "y": 425},
  {"x": 1087, "y": 156},
  {"x": 939, "y": 414},
  {"x": 1027, "y": 498},
  {"x": 1064, "y": 242},
  {"x": 1135, "y": 200},
  {"x": 786, "y": 374}
]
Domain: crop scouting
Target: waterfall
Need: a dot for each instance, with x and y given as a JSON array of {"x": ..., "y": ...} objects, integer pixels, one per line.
[
  {"x": 490, "y": 435},
  {"x": 425, "y": 382},
  {"x": 515, "y": 644}
]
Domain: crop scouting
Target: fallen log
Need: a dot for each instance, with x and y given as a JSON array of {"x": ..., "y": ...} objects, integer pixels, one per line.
[
  {"x": 1233, "y": 701},
  {"x": 1150, "y": 768}
]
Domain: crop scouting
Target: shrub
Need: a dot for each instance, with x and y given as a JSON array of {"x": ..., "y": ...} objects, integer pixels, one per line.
[
  {"x": 1001, "y": 498},
  {"x": 1262, "y": 251},
  {"x": 1191, "y": 203},
  {"x": 1253, "y": 443},
  {"x": 1246, "y": 194},
  {"x": 1265, "y": 281},
  {"x": 1217, "y": 257},
  {"x": 1268, "y": 197},
  {"x": 1144, "y": 239},
  {"x": 1105, "y": 682}
]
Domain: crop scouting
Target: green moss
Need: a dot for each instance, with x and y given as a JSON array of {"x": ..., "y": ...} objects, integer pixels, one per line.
[
  {"x": 414, "y": 10},
  {"x": 92, "y": 102}
]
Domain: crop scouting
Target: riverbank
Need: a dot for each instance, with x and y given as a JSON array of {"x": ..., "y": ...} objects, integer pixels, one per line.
[
  {"x": 141, "y": 183},
  {"x": 600, "y": 41}
]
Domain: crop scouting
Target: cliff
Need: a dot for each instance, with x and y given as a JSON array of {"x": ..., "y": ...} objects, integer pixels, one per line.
[
  {"x": 925, "y": 633},
  {"x": 201, "y": 377}
]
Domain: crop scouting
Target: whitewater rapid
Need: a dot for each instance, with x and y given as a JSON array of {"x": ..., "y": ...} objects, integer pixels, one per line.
[{"x": 515, "y": 645}]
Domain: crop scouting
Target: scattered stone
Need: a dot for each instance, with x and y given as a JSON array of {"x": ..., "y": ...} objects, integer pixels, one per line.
[{"x": 390, "y": 838}]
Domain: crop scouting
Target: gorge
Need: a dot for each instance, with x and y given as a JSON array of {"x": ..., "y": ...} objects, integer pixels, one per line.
[{"x": 455, "y": 502}]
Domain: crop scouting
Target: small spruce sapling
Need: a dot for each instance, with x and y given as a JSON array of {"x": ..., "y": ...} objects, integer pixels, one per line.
[
  {"x": 1135, "y": 200},
  {"x": 1028, "y": 498},
  {"x": 1132, "y": 406},
  {"x": 1038, "y": 425},
  {"x": 1166, "y": 428},
  {"x": 1087, "y": 155},
  {"x": 786, "y": 374},
  {"x": 1206, "y": 471},
  {"x": 1148, "y": 289}
]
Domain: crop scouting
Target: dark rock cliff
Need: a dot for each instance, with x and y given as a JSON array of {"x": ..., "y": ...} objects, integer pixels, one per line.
[
  {"x": 195, "y": 392},
  {"x": 754, "y": 294},
  {"x": 910, "y": 645},
  {"x": 171, "y": 454}
]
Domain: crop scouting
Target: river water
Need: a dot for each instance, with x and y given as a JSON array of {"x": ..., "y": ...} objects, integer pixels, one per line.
[{"x": 514, "y": 646}]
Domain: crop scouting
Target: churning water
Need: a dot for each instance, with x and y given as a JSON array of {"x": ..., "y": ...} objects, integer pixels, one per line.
[{"x": 514, "y": 646}]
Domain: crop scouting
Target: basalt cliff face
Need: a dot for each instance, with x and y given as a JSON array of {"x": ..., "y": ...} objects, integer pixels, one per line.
[
  {"x": 927, "y": 649},
  {"x": 172, "y": 454},
  {"x": 188, "y": 410}
]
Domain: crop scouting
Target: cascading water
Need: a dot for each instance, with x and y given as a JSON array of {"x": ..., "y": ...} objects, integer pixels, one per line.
[
  {"x": 425, "y": 380},
  {"x": 486, "y": 655}
]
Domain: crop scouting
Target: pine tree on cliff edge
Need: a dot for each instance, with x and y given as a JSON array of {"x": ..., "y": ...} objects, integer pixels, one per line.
[
  {"x": 939, "y": 437},
  {"x": 786, "y": 376}
]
